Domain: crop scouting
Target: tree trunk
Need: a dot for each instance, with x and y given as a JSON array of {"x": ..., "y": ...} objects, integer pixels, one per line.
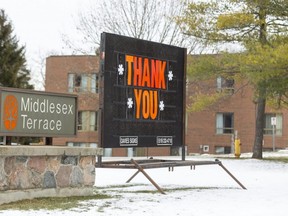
[
  {"x": 260, "y": 116},
  {"x": 260, "y": 111}
]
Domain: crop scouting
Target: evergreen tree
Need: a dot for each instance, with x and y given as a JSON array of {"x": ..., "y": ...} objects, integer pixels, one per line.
[
  {"x": 261, "y": 28},
  {"x": 13, "y": 71}
]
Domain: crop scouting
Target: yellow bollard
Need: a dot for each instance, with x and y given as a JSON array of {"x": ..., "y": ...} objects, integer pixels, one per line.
[{"x": 237, "y": 146}]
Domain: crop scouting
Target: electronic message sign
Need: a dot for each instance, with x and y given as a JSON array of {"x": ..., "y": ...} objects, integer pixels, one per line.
[
  {"x": 142, "y": 93},
  {"x": 36, "y": 113}
]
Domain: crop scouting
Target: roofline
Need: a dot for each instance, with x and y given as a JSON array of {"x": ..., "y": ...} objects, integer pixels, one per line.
[{"x": 65, "y": 56}]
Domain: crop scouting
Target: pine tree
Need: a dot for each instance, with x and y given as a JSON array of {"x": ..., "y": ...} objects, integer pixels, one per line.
[{"x": 13, "y": 71}]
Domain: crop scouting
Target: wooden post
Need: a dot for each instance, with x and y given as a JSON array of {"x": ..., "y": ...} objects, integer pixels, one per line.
[
  {"x": 132, "y": 176},
  {"x": 7, "y": 140},
  {"x": 146, "y": 175},
  {"x": 235, "y": 179},
  {"x": 48, "y": 141}
]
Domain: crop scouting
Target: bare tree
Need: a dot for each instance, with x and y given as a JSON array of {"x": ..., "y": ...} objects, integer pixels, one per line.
[
  {"x": 39, "y": 64},
  {"x": 146, "y": 19}
]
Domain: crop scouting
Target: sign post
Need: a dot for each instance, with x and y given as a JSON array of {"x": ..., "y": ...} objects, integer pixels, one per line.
[{"x": 273, "y": 123}]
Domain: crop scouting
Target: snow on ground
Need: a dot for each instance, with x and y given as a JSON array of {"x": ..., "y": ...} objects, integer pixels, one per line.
[{"x": 205, "y": 191}]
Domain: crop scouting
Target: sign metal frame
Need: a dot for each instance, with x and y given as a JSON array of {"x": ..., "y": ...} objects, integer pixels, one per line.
[{"x": 141, "y": 93}]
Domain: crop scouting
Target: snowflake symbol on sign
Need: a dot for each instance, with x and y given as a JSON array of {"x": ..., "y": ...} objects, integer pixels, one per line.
[
  {"x": 120, "y": 69},
  {"x": 161, "y": 105},
  {"x": 130, "y": 103},
  {"x": 170, "y": 76}
]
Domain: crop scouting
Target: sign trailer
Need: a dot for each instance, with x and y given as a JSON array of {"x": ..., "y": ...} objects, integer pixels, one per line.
[{"x": 142, "y": 101}]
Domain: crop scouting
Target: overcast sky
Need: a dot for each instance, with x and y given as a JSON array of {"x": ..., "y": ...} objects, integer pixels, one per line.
[{"x": 40, "y": 24}]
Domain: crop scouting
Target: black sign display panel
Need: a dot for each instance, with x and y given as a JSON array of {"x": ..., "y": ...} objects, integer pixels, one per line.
[{"x": 142, "y": 93}]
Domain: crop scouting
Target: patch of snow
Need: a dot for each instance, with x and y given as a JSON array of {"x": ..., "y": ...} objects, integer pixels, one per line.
[{"x": 206, "y": 191}]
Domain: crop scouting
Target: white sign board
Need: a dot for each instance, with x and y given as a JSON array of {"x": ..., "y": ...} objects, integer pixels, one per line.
[{"x": 273, "y": 121}]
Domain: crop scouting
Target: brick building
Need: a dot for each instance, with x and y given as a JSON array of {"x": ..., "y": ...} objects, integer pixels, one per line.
[
  {"x": 78, "y": 75},
  {"x": 214, "y": 129},
  {"x": 209, "y": 131}
]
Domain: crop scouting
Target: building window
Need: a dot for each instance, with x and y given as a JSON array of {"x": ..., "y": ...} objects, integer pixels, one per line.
[
  {"x": 224, "y": 123},
  {"x": 223, "y": 150},
  {"x": 225, "y": 85},
  {"x": 83, "y": 83},
  {"x": 268, "y": 128},
  {"x": 87, "y": 121}
]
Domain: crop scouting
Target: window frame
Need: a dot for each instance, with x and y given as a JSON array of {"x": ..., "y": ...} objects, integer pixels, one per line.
[
  {"x": 221, "y": 123},
  {"x": 268, "y": 128},
  {"x": 87, "y": 120},
  {"x": 225, "y": 85},
  {"x": 83, "y": 82}
]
